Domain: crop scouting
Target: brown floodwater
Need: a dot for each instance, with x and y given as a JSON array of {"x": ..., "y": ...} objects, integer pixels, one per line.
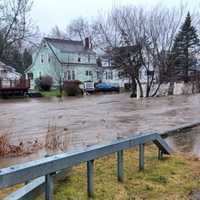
[{"x": 79, "y": 122}]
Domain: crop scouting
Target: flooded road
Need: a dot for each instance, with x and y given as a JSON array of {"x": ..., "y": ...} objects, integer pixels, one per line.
[{"x": 78, "y": 122}]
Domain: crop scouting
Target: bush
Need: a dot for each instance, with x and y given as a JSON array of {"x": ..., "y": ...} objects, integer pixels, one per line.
[
  {"x": 44, "y": 83},
  {"x": 71, "y": 88}
]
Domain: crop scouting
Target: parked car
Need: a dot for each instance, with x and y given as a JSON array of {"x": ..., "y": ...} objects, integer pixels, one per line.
[{"x": 107, "y": 87}]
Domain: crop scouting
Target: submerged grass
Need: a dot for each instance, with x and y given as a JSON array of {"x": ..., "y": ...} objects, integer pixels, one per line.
[
  {"x": 9, "y": 149},
  {"x": 175, "y": 177}
]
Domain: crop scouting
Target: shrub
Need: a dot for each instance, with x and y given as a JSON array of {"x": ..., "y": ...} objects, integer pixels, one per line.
[
  {"x": 44, "y": 83},
  {"x": 71, "y": 88}
]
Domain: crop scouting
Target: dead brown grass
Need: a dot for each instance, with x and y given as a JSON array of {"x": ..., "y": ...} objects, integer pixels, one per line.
[
  {"x": 8, "y": 149},
  {"x": 57, "y": 138}
]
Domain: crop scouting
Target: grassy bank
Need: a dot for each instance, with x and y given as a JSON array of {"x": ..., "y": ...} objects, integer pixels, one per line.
[
  {"x": 51, "y": 93},
  {"x": 175, "y": 177}
]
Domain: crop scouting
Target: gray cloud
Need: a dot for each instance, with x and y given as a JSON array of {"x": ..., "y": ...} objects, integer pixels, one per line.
[{"x": 48, "y": 13}]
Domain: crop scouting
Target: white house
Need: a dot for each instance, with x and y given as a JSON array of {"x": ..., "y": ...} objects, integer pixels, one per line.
[
  {"x": 116, "y": 76},
  {"x": 8, "y": 72},
  {"x": 110, "y": 74}
]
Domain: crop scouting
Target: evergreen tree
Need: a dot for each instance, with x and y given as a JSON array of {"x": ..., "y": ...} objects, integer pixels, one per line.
[
  {"x": 27, "y": 59},
  {"x": 13, "y": 57},
  {"x": 186, "y": 45},
  {"x": 16, "y": 61}
]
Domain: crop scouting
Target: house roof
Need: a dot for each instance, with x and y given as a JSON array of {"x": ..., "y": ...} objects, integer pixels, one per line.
[
  {"x": 68, "y": 46},
  {"x": 64, "y": 46},
  {"x": 195, "y": 68},
  {"x": 7, "y": 67}
]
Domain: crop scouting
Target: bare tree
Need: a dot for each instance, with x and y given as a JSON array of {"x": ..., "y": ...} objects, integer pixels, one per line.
[
  {"x": 150, "y": 31},
  {"x": 57, "y": 33},
  {"x": 15, "y": 23},
  {"x": 81, "y": 28},
  {"x": 78, "y": 28},
  {"x": 163, "y": 24},
  {"x": 153, "y": 30},
  {"x": 115, "y": 34}
]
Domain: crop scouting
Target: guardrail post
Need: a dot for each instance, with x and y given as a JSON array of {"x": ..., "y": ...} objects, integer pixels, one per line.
[
  {"x": 141, "y": 157},
  {"x": 120, "y": 166},
  {"x": 90, "y": 178},
  {"x": 49, "y": 187},
  {"x": 160, "y": 154}
]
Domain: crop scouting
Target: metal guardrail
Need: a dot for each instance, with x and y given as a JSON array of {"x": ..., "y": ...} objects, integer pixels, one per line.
[{"x": 48, "y": 167}]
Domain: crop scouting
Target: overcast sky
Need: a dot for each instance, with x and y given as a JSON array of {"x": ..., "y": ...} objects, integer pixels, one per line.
[{"x": 48, "y": 13}]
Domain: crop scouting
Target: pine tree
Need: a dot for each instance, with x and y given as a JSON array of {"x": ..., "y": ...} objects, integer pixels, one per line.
[
  {"x": 186, "y": 45},
  {"x": 27, "y": 59}
]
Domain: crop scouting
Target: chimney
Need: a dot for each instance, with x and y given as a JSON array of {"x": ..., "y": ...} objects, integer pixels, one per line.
[{"x": 87, "y": 43}]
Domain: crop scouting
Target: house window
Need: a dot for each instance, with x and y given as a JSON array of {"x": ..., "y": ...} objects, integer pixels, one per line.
[
  {"x": 110, "y": 76},
  {"x": 120, "y": 75},
  {"x": 89, "y": 58},
  {"x": 90, "y": 73},
  {"x": 98, "y": 75},
  {"x": 49, "y": 58},
  {"x": 42, "y": 58},
  {"x": 30, "y": 76},
  {"x": 73, "y": 75},
  {"x": 140, "y": 74},
  {"x": 68, "y": 75},
  {"x": 106, "y": 75},
  {"x": 65, "y": 76},
  {"x": 150, "y": 73}
]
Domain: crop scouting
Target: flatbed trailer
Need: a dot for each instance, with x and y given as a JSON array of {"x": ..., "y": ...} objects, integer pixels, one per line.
[{"x": 14, "y": 87}]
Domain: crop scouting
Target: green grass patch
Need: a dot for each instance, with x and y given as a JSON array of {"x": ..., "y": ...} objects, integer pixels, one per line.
[
  {"x": 171, "y": 178},
  {"x": 51, "y": 93}
]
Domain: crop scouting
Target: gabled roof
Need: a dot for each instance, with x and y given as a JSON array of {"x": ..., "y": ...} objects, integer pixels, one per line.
[
  {"x": 68, "y": 46},
  {"x": 7, "y": 67},
  {"x": 64, "y": 46}
]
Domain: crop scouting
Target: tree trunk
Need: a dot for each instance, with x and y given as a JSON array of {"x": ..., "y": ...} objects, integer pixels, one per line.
[
  {"x": 156, "y": 91},
  {"x": 133, "y": 88},
  {"x": 60, "y": 87},
  {"x": 171, "y": 88},
  {"x": 186, "y": 66}
]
